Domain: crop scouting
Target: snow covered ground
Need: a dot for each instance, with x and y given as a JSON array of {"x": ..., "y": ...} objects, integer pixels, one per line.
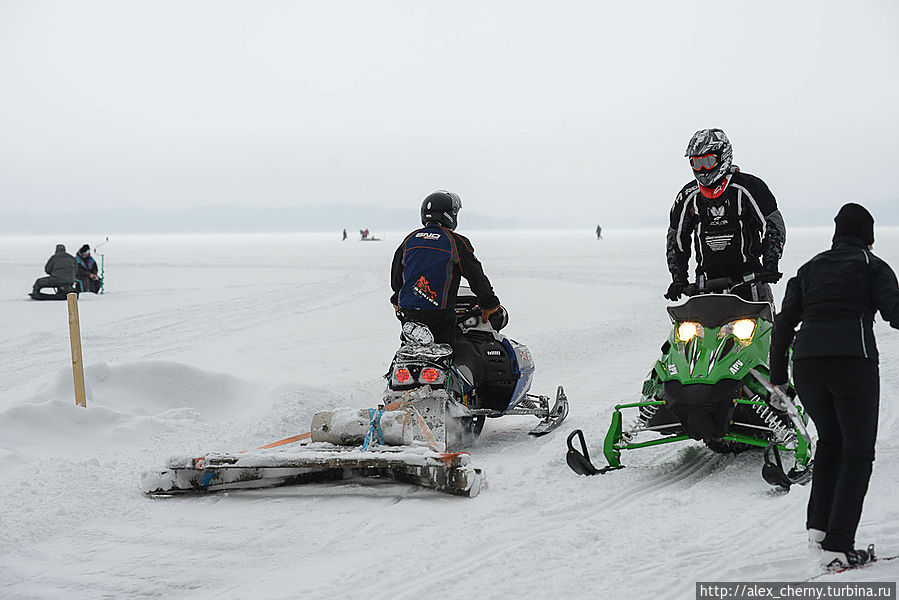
[{"x": 228, "y": 342}]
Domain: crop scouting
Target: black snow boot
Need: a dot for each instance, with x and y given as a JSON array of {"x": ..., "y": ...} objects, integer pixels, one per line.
[{"x": 838, "y": 561}]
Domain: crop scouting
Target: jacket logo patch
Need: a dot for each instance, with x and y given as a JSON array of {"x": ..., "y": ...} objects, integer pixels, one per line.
[
  {"x": 717, "y": 243},
  {"x": 423, "y": 288},
  {"x": 428, "y": 236},
  {"x": 717, "y": 213}
]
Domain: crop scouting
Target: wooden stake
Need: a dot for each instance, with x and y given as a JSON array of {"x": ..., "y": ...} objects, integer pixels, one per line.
[{"x": 75, "y": 338}]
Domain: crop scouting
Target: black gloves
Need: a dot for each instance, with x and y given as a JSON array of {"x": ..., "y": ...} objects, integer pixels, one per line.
[
  {"x": 769, "y": 275},
  {"x": 675, "y": 290}
]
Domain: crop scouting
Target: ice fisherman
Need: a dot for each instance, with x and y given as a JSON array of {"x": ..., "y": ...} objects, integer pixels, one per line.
[
  {"x": 732, "y": 218},
  {"x": 86, "y": 270},
  {"x": 836, "y": 374},
  {"x": 60, "y": 270},
  {"x": 428, "y": 266}
]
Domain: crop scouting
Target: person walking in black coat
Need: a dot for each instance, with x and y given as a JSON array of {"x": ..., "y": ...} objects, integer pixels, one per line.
[
  {"x": 60, "y": 270},
  {"x": 835, "y": 372}
]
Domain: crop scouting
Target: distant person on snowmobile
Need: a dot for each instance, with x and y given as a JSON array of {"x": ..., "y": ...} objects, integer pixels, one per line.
[
  {"x": 836, "y": 374},
  {"x": 60, "y": 270},
  {"x": 427, "y": 268},
  {"x": 732, "y": 216}
]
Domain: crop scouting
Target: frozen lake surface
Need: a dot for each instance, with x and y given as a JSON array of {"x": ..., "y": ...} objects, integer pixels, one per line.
[{"x": 226, "y": 342}]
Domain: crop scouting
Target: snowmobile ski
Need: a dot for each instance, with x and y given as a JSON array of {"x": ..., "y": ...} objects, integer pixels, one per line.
[
  {"x": 579, "y": 461},
  {"x": 554, "y": 415}
]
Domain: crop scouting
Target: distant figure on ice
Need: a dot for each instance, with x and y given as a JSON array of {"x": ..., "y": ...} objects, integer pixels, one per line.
[
  {"x": 835, "y": 370},
  {"x": 344, "y": 234},
  {"x": 60, "y": 270},
  {"x": 732, "y": 218},
  {"x": 598, "y": 232},
  {"x": 86, "y": 270},
  {"x": 427, "y": 268},
  {"x": 363, "y": 233}
]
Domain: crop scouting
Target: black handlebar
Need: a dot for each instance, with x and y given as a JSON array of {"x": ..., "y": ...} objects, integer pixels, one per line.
[
  {"x": 720, "y": 284},
  {"x": 474, "y": 311}
]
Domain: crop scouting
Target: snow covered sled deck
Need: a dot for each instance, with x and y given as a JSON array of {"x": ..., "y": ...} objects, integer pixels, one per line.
[{"x": 450, "y": 473}]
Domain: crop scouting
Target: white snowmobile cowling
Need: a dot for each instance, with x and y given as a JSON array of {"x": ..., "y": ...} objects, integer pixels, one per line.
[{"x": 350, "y": 426}]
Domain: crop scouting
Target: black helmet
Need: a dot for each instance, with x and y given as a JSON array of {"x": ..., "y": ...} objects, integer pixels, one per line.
[
  {"x": 441, "y": 207},
  {"x": 711, "y": 156}
]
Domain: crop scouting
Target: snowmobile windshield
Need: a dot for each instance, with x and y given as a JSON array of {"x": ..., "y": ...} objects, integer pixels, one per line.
[{"x": 714, "y": 310}]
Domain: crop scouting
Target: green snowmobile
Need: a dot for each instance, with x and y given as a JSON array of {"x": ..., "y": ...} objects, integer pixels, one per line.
[{"x": 711, "y": 384}]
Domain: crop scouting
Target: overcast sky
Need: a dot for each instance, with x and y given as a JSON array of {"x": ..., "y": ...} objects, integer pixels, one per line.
[{"x": 574, "y": 111}]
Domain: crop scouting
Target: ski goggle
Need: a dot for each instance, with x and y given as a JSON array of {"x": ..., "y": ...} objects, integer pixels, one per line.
[{"x": 706, "y": 161}]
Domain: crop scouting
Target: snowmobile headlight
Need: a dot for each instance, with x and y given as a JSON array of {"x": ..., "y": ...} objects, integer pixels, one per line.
[
  {"x": 741, "y": 329},
  {"x": 686, "y": 331},
  {"x": 430, "y": 375}
]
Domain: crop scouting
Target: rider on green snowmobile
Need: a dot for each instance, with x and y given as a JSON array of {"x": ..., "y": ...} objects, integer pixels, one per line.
[{"x": 732, "y": 216}]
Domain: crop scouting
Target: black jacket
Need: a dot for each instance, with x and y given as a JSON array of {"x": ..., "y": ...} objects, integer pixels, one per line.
[
  {"x": 835, "y": 296},
  {"x": 61, "y": 265},
  {"x": 427, "y": 268},
  {"x": 739, "y": 232}
]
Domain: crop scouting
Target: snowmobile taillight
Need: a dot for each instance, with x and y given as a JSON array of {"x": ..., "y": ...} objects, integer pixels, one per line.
[
  {"x": 430, "y": 375},
  {"x": 402, "y": 375},
  {"x": 686, "y": 331}
]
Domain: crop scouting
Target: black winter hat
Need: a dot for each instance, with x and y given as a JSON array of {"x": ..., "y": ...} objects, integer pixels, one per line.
[
  {"x": 84, "y": 248},
  {"x": 855, "y": 220}
]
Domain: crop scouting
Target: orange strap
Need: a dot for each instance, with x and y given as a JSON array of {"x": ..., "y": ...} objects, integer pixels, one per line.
[
  {"x": 290, "y": 440},
  {"x": 447, "y": 457}
]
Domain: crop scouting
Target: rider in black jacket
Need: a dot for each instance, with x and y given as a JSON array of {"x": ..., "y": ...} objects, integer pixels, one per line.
[
  {"x": 428, "y": 265},
  {"x": 732, "y": 217},
  {"x": 60, "y": 270},
  {"x": 835, "y": 371}
]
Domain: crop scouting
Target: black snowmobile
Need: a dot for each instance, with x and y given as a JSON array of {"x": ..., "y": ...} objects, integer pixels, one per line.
[{"x": 486, "y": 375}]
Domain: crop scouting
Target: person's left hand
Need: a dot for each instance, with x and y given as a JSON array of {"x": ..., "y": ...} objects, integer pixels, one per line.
[{"x": 780, "y": 396}]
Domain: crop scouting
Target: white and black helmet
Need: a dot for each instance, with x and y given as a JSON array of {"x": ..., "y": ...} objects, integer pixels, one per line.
[
  {"x": 441, "y": 207},
  {"x": 710, "y": 155}
]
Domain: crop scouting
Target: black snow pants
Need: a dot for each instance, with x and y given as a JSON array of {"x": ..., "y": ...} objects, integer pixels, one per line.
[{"x": 842, "y": 396}]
